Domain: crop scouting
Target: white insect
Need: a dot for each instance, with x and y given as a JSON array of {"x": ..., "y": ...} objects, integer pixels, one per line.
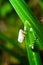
[{"x": 21, "y": 36}]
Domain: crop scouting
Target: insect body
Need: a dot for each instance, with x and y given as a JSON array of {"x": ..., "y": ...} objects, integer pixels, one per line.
[{"x": 21, "y": 36}]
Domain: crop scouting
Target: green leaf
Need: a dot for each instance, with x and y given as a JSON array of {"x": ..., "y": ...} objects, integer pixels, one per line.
[
  {"x": 28, "y": 18},
  {"x": 33, "y": 54}
]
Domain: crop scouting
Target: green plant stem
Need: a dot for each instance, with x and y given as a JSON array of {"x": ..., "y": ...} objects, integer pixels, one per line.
[
  {"x": 33, "y": 56},
  {"x": 29, "y": 20},
  {"x": 25, "y": 14}
]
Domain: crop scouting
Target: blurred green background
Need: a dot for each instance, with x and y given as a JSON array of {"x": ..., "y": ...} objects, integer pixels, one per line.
[{"x": 10, "y": 24}]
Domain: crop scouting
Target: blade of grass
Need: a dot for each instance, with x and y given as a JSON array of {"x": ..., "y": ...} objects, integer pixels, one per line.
[
  {"x": 33, "y": 56},
  {"x": 25, "y": 14}
]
